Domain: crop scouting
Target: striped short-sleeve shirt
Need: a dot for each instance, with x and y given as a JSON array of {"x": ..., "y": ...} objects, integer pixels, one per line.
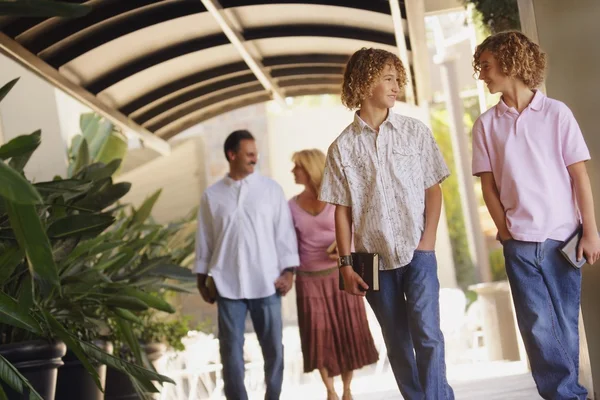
[{"x": 383, "y": 177}]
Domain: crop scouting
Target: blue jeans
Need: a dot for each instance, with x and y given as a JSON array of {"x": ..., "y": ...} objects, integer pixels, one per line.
[
  {"x": 408, "y": 310},
  {"x": 266, "y": 318},
  {"x": 546, "y": 292}
]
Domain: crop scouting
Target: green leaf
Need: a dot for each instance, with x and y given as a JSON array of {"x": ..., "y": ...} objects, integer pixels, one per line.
[
  {"x": 99, "y": 138},
  {"x": 172, "y": 271},
  {"x": 14, "y": 187},
  {"x": 126, "y": 302},
  {"x": 177, "y": 288},
  {"x": 150, "y": 300},
  {"x": 97, "y": 171},
  {"x": 26, "y": 293},
  {"x": 129, "y": 338},
  {"x": 126, "y": 314},
  {"x": 11, "y": 313},
  {"x": 80, "y": 225},
  {"x": 142, "y": 375},
  {"x": 115, "y": 148},
  {"x": 9, "y": 260},
  {"x": 142, "y": 214},
  {"x": 21, "y": 145},
  {"x": 7, "y": 88},
  {"x": 32, "y": 238},
  {"x": 13, "y": 378},
  {"x": 73, "y": 345},
  {"x": 117, "y": 262},
  {"x": 106, "y": 197},
  {"x": 43, "y": 8},
  {"x": 83, "y": 157}
]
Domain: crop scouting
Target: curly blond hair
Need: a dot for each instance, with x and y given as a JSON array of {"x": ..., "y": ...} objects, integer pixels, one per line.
[
  {"x": 363, "y": 70},
  {"x": 517, "y": 56}
]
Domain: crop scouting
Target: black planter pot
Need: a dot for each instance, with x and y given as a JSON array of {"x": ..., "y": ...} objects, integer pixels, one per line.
[
  {"x": 38, "y": 361},
  {"x": 74, "y": 381},
  {"x": 118, "y": 384}
]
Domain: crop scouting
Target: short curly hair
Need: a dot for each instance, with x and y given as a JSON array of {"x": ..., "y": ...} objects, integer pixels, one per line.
[
  {"x": 518, "y": 56},
  {"x": 362, "y": 71}
]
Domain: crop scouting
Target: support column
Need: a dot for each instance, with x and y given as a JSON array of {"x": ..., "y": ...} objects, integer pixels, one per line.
[
  {"x": 568, "y": 31},
  {"x": 462, "y": 157}
]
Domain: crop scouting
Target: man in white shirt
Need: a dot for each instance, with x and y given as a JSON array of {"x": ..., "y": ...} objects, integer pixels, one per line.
[{"x": 246, "y": 240}]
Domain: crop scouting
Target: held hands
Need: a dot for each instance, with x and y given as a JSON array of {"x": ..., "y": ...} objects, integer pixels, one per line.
[
  {"x": 353, "y": 283},
  {"x": 589, "y": 246},
  {"x": 332, "y": 250},
  {"x": 284, "y": 283}
]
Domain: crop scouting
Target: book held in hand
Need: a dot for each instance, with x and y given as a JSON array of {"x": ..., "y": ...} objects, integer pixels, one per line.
[
  {"x": 367, "y": 266},
  {"x": 569, "y": 249}
]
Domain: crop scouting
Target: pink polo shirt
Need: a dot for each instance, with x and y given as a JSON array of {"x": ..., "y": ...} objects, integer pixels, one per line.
[{"x": 528, "y": 154}]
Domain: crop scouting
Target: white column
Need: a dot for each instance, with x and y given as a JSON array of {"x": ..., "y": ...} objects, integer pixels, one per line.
[
  {"x": 462, "y": 158},
  {"x": 32, "y": 105}
]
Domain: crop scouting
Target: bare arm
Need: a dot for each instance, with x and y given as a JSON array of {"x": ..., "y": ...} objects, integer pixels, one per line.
[
  {"x": 433, "y": 210},
  {"x": 589, "y": 246},
  {"x": 491, "y": 196},
  {"x": 343, "y": 237}
]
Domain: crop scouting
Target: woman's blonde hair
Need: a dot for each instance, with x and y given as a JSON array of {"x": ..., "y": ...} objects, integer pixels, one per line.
[
  {"x": 313, "y": 162},
  {"x": 362, "y": 71},
  {"x": 517, "y": 56}
]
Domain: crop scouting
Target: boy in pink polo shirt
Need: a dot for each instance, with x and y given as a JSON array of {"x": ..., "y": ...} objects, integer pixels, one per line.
[{"x": 530, "y": 155}]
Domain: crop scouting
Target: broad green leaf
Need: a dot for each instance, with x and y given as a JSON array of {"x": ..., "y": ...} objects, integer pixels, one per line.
[
  {"x": 116, "y": 262},
  {"x": 63, "y": 248},
  {"x": 142, "y": 214},
  {"x": 129, "y": 337},
  {"x": 142, "y": 269},
  {"x": 126, "y": 302},
  {"x": 63, "y": 186},
  {"x": 173, "y": 272},
  {"x": 80, "y": 225},
  {"x": 150, "y": 300},
  {"x": 21, "y": 145},
  {"x": 83, "y": 157},
  {"x": 26, "y": 294},
  {"x": 11, "y": 313},
  {"x": 142, "y": 375},
  {"x": 43, "y": 8},
  {"x": 73, "y": 345},
  {"x": 99, "y": 138},
  {"x": 14, "y": 187},
  {"x": 97, "y": 171},
  {"x": 109, "y": 195},
  {"x": 7, "y": 88},
  {"x": 32, "y": 239},
  {"x": 115, "y": 148},
  {"x": 13, "y": 378},
  {"x": 9, "y": 259},
  {"x": 126, "y": 314}
]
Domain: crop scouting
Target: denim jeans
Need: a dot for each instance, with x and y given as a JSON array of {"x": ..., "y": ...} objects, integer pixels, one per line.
[
  {"x": 266, "y": 318},
  {"x": 546, "y": 292},
  {"x": 408, "y": 310}
]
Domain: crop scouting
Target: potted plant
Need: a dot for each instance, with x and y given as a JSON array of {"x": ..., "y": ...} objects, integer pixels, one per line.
[{"x": 44, "y": 228}]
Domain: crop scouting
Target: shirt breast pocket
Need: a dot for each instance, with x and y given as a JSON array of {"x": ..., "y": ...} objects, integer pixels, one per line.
[
  {"x": 407, "y": 164},
  {"x": 358, "y": 172}
]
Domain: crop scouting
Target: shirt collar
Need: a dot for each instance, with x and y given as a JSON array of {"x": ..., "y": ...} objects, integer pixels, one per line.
[
  {"x": 360, "y": 125},
  {"x": 536, "y": 104},
  {"x": 249, "y": 179}
]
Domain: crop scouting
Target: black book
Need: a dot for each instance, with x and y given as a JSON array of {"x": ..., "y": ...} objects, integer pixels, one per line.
[
  {"x": 367, "y": 266},
  {"x": 569, "y": 249}
]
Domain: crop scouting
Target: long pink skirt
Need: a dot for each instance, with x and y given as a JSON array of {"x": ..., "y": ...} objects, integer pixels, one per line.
[{"x": 334, "y": 330}]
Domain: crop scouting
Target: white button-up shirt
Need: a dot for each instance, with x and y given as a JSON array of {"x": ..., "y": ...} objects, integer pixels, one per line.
[
  {"x": 245, "y": 236},
  {"x": 383, "y": 177}
]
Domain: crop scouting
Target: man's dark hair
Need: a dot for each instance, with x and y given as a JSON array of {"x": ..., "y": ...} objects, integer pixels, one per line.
[{"x": 232, "y": 143}]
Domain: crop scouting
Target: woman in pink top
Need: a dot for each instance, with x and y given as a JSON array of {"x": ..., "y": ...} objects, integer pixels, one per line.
[{"x": 333, "y": 324}]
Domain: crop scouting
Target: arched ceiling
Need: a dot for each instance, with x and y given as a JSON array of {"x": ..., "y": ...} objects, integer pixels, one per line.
[{"x": 164, "y": 65}]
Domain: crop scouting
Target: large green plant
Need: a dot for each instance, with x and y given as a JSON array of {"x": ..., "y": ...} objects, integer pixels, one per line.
[
  {"x": 50, "y": 286},
  {"x": 498, "y": 15}
]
